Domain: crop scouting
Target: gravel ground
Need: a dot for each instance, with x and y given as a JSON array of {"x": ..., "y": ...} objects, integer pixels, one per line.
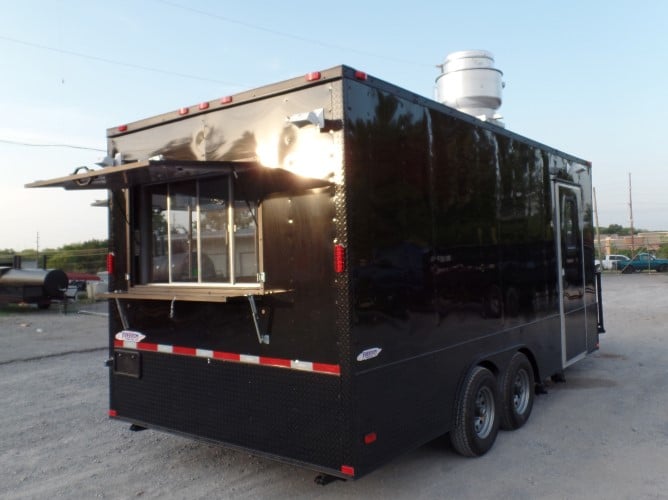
[{"x": 602, "y": 435}]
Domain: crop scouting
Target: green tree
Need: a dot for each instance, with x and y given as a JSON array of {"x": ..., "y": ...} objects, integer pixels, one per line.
[
  {"x": 620, "y": 230},
  {"x": 613, "y": 229},
  {"x": 662, "y": 252},
  {"x": 89, "y": 256}
]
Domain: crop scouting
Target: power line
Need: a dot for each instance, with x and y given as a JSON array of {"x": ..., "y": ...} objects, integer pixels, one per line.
[
  {"x": 202, "y": 78},
  {"x": 290, "y": 35},
  {"x": 42, "y": 145},
  {"x": 118, "y": 63}
]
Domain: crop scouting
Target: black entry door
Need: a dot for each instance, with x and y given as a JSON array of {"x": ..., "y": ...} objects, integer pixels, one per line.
[{"x": 570, "y": 261}]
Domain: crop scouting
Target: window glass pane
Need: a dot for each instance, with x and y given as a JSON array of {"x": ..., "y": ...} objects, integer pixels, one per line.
[
  {"x": 213, "y": 207},
  {"x": 190, "y": 233},
  {"x": 159, "y": 270},
  {"x": 183, "y": 231},
  {"x": 245, "y": 230}
]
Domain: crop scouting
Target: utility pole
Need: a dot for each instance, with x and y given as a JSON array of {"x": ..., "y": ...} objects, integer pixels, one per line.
[
  {"x": 598, "y": 232},
  {"x": 633, "y": 245}
]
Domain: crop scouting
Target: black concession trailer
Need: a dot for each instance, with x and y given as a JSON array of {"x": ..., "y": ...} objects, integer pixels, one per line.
[{"x": 332, "y": 271}]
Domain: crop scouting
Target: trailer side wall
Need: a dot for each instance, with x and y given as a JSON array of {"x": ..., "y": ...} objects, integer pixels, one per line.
[{"x": 453, "y": 258}]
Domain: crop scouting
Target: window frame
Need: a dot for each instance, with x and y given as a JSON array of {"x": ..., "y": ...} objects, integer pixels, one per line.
[{"x": 147, "y": 241}]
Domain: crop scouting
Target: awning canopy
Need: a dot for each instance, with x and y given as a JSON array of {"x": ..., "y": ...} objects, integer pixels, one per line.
[
  {"x": 142, "y": 172},
  {"x": 265, "y": 179}
]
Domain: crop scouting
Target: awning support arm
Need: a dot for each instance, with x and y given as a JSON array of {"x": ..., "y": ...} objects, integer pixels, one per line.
[
  {"x": 121, "y": 314},
  {"x": 261, "y": 338}
]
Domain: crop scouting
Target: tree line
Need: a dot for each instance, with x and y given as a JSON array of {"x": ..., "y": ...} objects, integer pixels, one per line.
[
  {"x": 87, "y": 257},
  {"x": 620, "y": 230}
]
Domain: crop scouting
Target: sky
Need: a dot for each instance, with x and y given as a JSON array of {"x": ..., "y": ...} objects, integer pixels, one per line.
[{"x": 589, "y": 78}]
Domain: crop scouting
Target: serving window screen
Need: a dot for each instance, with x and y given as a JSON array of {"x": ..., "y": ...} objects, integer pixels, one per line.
[{"x": 201, "y": 234}]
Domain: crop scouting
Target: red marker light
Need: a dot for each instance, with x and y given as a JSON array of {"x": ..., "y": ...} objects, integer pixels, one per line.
[
  {"x": 361, "y": 75},
  {"x": 113, "y": 413},
  {"x": 339, "y": 258},
  {"x": 203, "y": 105},
  {"x": 122, "y": 128},
  {"x": 348, "y": 470},
  {"x": 226, "y": 100},
  {"x": 184, "y": 111},
  {"x": 370, "y": 438},
  {"x": 313, "y": 76}
]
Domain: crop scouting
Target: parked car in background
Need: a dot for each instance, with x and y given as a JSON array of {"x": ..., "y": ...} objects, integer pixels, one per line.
[
  {"x": 80, "y": 280},
  {"x": 644, "y": 262},
  {"x": 612, "y": 261}
]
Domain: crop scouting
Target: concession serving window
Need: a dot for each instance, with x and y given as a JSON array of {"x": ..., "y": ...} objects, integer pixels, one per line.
[
  {"x": 193, "y": 228},
  {"x": 197, "y": 231}
]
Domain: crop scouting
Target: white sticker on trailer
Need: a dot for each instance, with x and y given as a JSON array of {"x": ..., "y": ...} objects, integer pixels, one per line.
[
  {"x": 369, "y": 354},
  {"x": 130, "y": 336}
]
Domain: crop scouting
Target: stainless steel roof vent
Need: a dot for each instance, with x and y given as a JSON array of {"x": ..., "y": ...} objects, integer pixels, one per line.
[{"x": 470, "y": 83}]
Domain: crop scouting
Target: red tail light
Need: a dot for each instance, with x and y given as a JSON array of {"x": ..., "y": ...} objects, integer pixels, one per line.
[
  {"x": 110, "y": 262},
  {"x": 339, "y": 258}
]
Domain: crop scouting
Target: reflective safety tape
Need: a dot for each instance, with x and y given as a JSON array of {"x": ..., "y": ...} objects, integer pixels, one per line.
[{"x": 294, "y": 364}]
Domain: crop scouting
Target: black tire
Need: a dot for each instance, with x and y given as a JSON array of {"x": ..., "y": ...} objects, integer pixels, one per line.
[
  {"x": 476, "y": 418},
  {"x": 629, "y": 270},
  {"x": 517, "y": 393}
]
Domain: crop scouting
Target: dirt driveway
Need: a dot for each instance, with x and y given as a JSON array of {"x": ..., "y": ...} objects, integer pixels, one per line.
[{"x": 603, "y": 434}]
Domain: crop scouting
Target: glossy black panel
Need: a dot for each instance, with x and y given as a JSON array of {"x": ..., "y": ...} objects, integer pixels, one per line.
[
  {"x": 283, "y": 413},
  {"x": 259, "y": 131},
  {"x": 451, "y": 228}
]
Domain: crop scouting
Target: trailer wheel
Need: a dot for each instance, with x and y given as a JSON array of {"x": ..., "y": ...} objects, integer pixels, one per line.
[
  {"x": 517, "y": 393},
  {"x": 476, "y": 419}
]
